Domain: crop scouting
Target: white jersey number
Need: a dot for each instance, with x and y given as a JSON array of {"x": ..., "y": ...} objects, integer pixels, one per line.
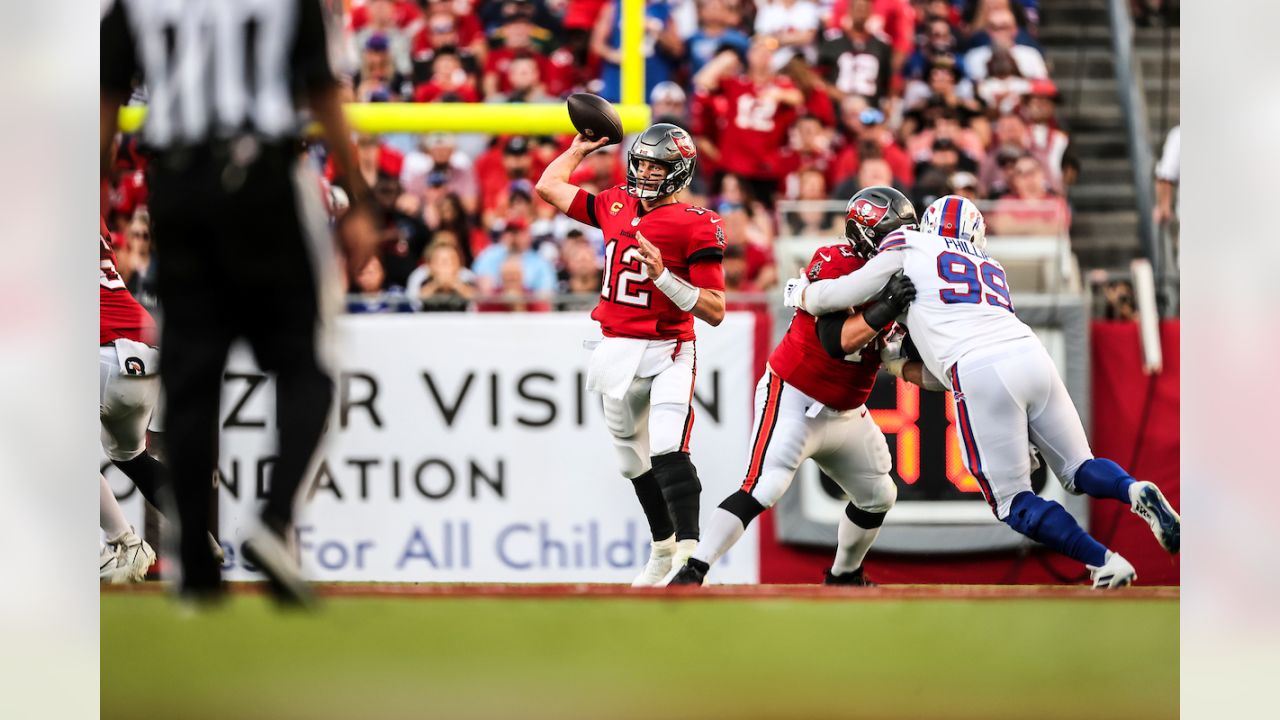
[{"x": 618, "y": 282}]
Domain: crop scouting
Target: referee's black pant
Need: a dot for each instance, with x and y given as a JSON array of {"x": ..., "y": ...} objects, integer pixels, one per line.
[{"x": 234, "y": 259}]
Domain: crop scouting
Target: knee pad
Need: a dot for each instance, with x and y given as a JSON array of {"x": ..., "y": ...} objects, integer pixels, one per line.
[
  {"x": 744, "y": 506},
  {"x": 877, "y": 497},
  {"x": 865, "y": 519},
  {"x": 1028, "y": 513},
  {"x": 676, "y": 475},
  {"x": 632, "y": 462}
]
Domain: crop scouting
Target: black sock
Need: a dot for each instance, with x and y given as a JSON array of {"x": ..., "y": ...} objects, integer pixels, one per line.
[
  {"x": 148, "y": 475},
  {"x": 678, "y": 479},
  {"x": 654, "y": 505}
]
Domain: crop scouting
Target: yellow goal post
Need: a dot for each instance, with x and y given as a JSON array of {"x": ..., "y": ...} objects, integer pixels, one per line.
[{"x": 493, "y": 118}]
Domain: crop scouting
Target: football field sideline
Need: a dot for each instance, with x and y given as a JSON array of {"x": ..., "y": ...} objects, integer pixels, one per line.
[{"x": 605, "y": 651}]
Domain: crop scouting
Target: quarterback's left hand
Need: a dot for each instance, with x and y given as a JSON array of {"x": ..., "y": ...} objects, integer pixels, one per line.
[
  {"x": 793, "y": 292},
  {"x": 650, "y": 257}
]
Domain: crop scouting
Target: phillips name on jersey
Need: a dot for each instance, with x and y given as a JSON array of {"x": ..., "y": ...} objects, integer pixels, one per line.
[{"x": 691, "y": 240}]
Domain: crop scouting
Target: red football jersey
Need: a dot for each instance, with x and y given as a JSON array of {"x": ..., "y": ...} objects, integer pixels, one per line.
[
  {"x": 753, "y": 133},
  {"x": 800, "y": 358},
  {"x": 119, "y": 314},
  {"x": 692, "y": 243}
]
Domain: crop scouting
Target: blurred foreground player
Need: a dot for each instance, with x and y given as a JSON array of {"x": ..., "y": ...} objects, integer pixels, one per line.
[
  {"x": 128, "y": 389},
  {"x": 662, "y": 269},
  {"x": 1006, "y": 390},
  {"x": 241, "y": 244},
  {"x": 811, "y": 404}
]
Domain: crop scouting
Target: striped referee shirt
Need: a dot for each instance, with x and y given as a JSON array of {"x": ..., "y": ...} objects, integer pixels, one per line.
[{"x": 215, "y": 69}]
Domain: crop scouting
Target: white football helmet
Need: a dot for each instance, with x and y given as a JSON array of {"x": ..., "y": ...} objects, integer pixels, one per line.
[{"x": 955, "y": 217}]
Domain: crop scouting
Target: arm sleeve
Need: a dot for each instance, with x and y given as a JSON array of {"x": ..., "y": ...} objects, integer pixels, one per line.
[
  {"x": 707, "y": 275},
  {"x": 583, "y": 208},
  {"x": 118, "y": 56},
  {"x": 853, "y": 289},
  {"x": 310, "y": 61},
  {"x": 829, "y": 327}
]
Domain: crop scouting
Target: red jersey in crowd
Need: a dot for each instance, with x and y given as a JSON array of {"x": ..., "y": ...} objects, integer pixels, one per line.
[
  {"x": 119, "y": 315},
  {"x": 800, "y": 359},
  {"x": 691, "y": 240},
  {"x": 554, "y": 75},
  {"x": 753, "y": 128}
]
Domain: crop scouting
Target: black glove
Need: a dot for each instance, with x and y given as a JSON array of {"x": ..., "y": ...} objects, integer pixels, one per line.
[{"x": 894, "y": 299}]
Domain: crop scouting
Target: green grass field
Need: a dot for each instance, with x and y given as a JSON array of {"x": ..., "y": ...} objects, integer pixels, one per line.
[{"x": 933, "y": 654}]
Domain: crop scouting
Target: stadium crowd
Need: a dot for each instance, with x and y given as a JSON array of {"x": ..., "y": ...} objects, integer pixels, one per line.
[{"x": 786, "y": 99}]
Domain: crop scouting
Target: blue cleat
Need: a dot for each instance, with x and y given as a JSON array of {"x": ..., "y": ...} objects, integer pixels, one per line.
[{"x": 1149, "y": 503}]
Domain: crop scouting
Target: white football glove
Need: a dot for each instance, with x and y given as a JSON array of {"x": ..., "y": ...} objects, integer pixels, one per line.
[
  {"x": 793, "y": 292},
  {"x": 892, "y": 358}
]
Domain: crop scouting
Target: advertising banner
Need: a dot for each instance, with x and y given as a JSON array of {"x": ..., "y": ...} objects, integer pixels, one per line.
[{"x": 465, "y": 448}]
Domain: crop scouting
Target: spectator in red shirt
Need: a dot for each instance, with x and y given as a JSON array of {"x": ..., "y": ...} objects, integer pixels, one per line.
[
  {"x": 1048, "y": 142},
  {"x": 812, "y": 150},
  {"x": 525, "y": 82},
  {"x": 742, "y": 233},
  {"x": 817, "y": 101},
  {"x": 1011, "y": 142},
  {"x": 498, "y": 169},
  {"x": 1042, "y": 211},
  {"x": 516, "y": 39},
  {"x": 737, "y": 271},
  {"x": 863, "y": 133},
  {"x": 855, "y": 61},
  {"x": 449, "y": 81},
  {"x": 760, "y": 107},
  {"x": 441, "y": 33},
  {"x": 439, "y": 161},
  {"x": 943, "y": 123}
]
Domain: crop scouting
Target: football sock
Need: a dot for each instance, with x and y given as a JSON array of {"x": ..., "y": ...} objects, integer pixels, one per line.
[
  {"x": 723, "y": 530},
  {"x": 1102, "y": 478},
  {"x": 855, "y": 534},
  {"x": 147, "y": 475},
  {"x": 654, "y": 505},
  {"x": 678, "y": 480},
  {"x": 110, "y": 517},
  {"x": 1048, "y": 523}
]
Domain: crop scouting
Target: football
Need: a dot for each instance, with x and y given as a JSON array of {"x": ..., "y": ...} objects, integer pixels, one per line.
[{"x": 595, "y": 117}]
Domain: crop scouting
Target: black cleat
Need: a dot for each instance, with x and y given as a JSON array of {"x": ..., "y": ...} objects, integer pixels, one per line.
[
  {"x": 856, "y": 579},
  {"x": 694, "y": 572}
]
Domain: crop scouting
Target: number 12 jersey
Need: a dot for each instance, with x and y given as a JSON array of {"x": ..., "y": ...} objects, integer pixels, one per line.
[{"x": 691, "y": 240}]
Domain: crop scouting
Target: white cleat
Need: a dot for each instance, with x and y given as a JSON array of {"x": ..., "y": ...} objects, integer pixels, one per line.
[
  {"x": 1148, "y": 503},
  {"x": 125, "y": 561},
  {"x": 661, "y": 553},
  {"x": 275, "y": 559},
  {"x": 1116, "y": 572},
  {"x": 684, "y": 551}
]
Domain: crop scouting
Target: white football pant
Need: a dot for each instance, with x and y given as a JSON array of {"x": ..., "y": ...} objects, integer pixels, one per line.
[
  {"x": 655, "y": 416},
  {"x": 125, "y": 401},
  {"x": 1004, "y": 398},
  {"x": 791, "y": 427}
]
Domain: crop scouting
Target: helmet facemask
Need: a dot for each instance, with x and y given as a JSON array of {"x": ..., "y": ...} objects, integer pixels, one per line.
[
  {"x": 668, "y": 146},
  {"x": 859, "y": 237}
]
